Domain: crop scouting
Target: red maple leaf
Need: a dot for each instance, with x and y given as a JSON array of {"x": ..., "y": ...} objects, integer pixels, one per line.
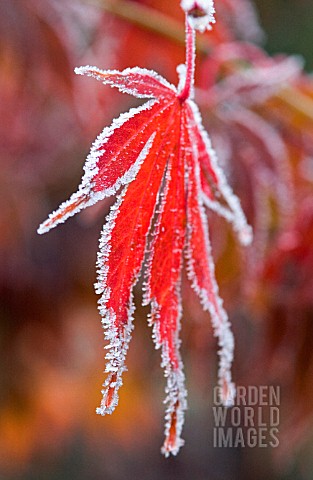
[{"x": 160, "y": 160}]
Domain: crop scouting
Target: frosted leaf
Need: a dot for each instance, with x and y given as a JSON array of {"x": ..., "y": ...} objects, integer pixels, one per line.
[
  {"x": 176, "y": 405},
  {"x": 239, "y": 221},
  {"x": 86, "y": 194},
  {"x": 154, "y": 152},
  {"x": 117, "y": 336},
  {"x": 200, "y": 13},
  {"x": 122, "y": 247},
  {"x": 115, "y": 360},
  {"x": 200, "y": 270},
  {"x": 175, "y": 390},
  {"x": 98, "y": 148},
  {"x": 147, "y": 294},
  {"x": 140, "y": 82},
  {"x": 162, "y": 288}
]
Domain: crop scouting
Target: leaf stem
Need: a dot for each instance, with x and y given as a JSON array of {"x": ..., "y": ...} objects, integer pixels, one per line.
[{"x": 187, "y": 90}]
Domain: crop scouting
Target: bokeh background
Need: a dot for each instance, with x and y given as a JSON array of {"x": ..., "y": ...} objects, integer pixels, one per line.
[{"x": 51, "y": 345}]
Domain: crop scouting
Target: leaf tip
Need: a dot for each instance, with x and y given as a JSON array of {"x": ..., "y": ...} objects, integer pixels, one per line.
[
  {"x": 67, "y": 209},
  {"x": 79, "y": 70},
  {"x": 42, "y": 229},
  {"x": 85, "y": 70}
]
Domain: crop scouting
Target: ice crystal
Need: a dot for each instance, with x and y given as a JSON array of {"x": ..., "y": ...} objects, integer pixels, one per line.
[{"x": 200, "y": 13}]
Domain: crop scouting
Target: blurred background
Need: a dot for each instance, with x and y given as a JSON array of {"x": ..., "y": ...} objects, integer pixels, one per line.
[{"x": 259, "y": 111}]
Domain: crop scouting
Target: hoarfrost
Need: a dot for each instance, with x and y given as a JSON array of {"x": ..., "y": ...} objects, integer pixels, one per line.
[
  {"x": 208, "y": 293},
  {"x": 200, "y": 13},
  {"x": 176, "y": 402},
  {"x": 140, "y": 82},
  {"x": 86, "y": 196},
  {"x": 117, "y": 336},
  {"x": 176, "y": 393},
  {"x": 241, "y": 227}
]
